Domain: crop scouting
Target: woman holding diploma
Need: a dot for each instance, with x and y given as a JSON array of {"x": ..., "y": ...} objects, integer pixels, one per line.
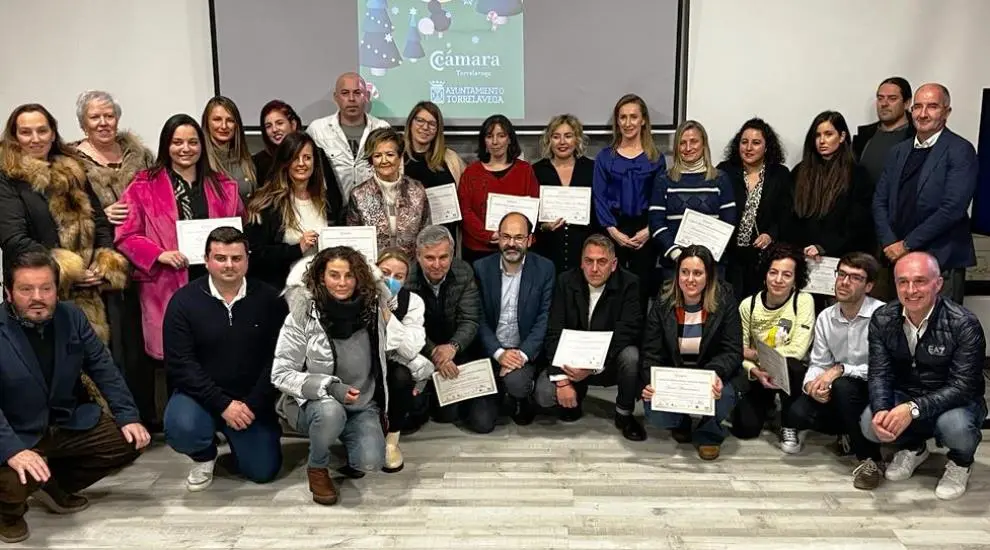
[
  {"x": 180, "y": 186},
  {"x": 393, "y": 204},
  {"x": 408, "y": 371},
  {"x": 695, "y": 325},
  {"x": 497, "y": 170},
  {"x": 284, "y": 218},
  {"x": 278, "y": 120},
  {"x": 563, "y": 165},
  {"x": 693, "y": 183},
  {"x": 762, "y": 186},
  {"x": 330, "y": 366},
  {"x": 783, "y": 318},
  {"x": 622, "y": 187}
]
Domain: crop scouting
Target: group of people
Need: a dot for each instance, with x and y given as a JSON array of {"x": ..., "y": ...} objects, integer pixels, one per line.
[{"x": 268, "y": 334}]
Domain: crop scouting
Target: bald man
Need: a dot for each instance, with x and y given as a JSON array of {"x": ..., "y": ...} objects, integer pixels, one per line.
[
  {"x": 925, "y": 376},
  {"x": 922, "y": 199},
  {"x": 342, "y": 134}
]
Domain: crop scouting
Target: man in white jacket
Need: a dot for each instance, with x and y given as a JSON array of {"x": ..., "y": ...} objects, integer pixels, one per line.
[{"x": 342, "y": 134}]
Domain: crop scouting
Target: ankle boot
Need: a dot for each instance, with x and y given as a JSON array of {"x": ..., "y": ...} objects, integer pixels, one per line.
[
  {"x": 322, "y": 487},
  {"x": 393, "y": 456}
]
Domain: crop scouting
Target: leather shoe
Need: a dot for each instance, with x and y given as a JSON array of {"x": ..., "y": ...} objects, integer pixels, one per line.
[
  {"x": 525, "y": 413},
  {"x": 322, "y": 487},
  {"x": 13, "y": 529},
  {"x": 59, "y": 501},
  {"x": 571, "y": 415},
  {"x": 708, "y": 452},
  {"x": 630, "y": 427},
  {"x": 350, "y": 472}
]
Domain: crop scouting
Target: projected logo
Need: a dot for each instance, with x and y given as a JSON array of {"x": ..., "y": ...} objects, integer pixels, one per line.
[{"x": 466, "y": 55}]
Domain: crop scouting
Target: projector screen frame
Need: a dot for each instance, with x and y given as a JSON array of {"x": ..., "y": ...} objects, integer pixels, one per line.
[{"x": 680, "y": 85}]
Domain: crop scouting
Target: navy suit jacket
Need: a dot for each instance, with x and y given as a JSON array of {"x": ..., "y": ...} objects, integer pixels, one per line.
[
  {"x": 28, "y": 406},
  {"x": 535, "y": 296},
  {"x": 945, "y": 189}
]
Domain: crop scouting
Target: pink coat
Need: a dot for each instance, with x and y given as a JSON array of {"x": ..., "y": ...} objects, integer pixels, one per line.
[{"x": 150, "y": 230}]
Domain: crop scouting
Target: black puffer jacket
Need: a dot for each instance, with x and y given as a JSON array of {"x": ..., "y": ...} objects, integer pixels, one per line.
[
  {"x": 946, "y": 371},
  {"x": 454, "y": 315}
]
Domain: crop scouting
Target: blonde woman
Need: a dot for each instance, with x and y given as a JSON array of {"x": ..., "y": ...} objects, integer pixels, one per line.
[
  {"x": 692, "y": 183},
  {"x": 564, "y": 164},
  {"x": 284, "y": 218},
  {"x": 623, "y": 184},
  {"x": 226, "y": 144}
]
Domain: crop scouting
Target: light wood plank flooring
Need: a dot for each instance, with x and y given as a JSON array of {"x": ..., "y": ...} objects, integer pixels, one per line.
[{"x": 548, "y": 485}]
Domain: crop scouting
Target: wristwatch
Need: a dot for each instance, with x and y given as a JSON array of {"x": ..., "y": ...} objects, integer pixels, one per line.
[
  {"x": 455, "y": 345},
  {"x": 915, "y": 411}
]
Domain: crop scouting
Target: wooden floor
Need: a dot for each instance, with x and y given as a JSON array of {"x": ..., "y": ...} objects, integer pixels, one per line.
[{"x": 548, "y": 485}]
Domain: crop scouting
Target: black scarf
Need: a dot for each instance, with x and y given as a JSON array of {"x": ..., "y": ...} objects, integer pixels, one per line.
[{"x": 341, "y": 319}]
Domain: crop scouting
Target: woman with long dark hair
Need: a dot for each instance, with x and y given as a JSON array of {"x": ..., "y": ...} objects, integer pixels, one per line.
[
  {"x": 180, "y": 186},
  {"x": 833, "y": 195},
  {"x": 497, "y": 170},
  {"x": 284, "y": 218},
  {"x": 754, "y": 163},
  {"x": 331, "y": 367}
]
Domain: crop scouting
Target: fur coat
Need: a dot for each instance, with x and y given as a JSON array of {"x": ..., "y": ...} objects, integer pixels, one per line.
[
  {"x": 55, "y": 197},
  {"x": 109, "y": 183}
]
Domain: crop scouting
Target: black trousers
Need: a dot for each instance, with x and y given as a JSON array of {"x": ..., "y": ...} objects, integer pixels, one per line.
[
  {"x": 400, "y": 398},
  {"x": 641, "y": 261},
  {"x": 840, "y": 415},
  {"x": 757, "y": 403}
]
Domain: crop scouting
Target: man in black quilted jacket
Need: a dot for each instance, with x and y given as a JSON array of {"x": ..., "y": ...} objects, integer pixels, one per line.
[{"x": 926, "y": 376}]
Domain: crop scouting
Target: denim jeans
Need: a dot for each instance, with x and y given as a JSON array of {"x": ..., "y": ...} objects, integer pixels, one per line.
[
  {"x": 957, "y": 429},
  {"x": 710, "y": 430},
  {"x": 191, "y": 430},
  {"x": 358, "y": 428}
]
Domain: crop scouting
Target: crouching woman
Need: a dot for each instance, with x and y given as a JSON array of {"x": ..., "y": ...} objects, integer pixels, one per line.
[{"x": 330, "y": 365}]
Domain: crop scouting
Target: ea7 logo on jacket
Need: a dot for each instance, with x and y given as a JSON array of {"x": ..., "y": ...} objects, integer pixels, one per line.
[{"x": 936, "y": 351}]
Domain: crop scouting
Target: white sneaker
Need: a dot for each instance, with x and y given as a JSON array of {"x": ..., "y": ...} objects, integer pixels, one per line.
[
  {"x": 790, "y": 441},
  {"x": 905, "y": 463},
  {"x": 953, "y": 482},
  {"x": 200, "y": 476}
]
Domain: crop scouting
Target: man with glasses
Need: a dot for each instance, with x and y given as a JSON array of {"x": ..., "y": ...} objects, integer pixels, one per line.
[
  {"x": 516, "y": 289},
  {"x": 926, "y": 376},
  {"x": 835, "y": 388}
]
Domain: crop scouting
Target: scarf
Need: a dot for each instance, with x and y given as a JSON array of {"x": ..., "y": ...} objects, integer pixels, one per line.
[{"x": 341, "y": 319}]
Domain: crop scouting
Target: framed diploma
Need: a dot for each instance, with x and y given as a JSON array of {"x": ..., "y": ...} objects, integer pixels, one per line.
[
  {"x": 476, "y": 379},
  {"x": 499, "y": 205},
  {"x": 192, "y": 236},
  {"x": 572, "y": 204},
  {"x": 684, "y": 391},
  {"x": 444, "y": 207}
]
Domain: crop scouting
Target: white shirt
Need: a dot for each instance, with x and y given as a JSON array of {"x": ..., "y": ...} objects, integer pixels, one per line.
[
  {"x": 840, "y": 340},
  {"x": 914, "y": 333},
  {"x": 593, "y": 295},
  {"x": 351, "y": 170},
  {"x": 241, "y": 293},
  {"x": 928, "y": 143}
]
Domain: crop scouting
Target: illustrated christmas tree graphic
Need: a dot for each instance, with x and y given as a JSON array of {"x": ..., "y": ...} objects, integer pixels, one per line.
[
  {"x": 414, "y": 42},
  {"x": 378, "y": 50}
]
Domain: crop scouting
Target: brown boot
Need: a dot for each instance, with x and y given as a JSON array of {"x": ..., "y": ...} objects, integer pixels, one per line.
[
  {"x": 322, "y": 487},
  {"x": 13, "y": 529}
]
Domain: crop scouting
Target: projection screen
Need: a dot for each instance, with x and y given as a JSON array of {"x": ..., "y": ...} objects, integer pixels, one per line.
[{"x": 526, "y": 60}]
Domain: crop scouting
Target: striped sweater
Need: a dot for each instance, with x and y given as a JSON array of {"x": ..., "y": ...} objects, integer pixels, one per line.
[{"x": 671, "y": 198}]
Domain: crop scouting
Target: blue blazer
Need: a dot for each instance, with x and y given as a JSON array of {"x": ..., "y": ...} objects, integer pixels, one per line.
[
  {"x": 945, "y": 188},
  {"x": 535, "y": 296},
  {"x": 28, "y": 406}
]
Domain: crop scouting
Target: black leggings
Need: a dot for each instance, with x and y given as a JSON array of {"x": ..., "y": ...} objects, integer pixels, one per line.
[
  {"x": 757, "y": 404},
  {"x": 400, "y": 397}
]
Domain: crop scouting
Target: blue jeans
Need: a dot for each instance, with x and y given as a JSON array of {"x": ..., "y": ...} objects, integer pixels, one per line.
[
  {"x": 191, "y": 430},
  {"x": 710, "y": 430},
  {"x": 359, "y": 429},
  {"x": 957, "y": 429}
]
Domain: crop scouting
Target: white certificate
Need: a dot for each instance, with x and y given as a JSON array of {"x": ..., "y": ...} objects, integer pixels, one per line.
[
  {"x": 775, "y": 364},
  {"x": 192, "y": 236},
  {"x": 821, "y": 275},
  {"x": 685, "y": 391},
  {"x": 581, "y": 349},
  {"x": 363, "y": 238},
  {"x": 476, "y": 379},
  {"x": 499, "y": 205},
  {"x": 572, "y": 204},
  {"x": 702, "y": 229},
  {"x": 444, "y": 207}
]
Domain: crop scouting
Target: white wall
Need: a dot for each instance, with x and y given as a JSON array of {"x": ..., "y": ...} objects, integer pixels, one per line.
[{"x": 154, "y": 57}]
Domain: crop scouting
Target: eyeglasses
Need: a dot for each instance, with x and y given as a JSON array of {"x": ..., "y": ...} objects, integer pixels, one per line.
[
  {"x": 854, "y": 277},
  {"x": 429, "y": 124},
  {"x": 516, "y": 239}
]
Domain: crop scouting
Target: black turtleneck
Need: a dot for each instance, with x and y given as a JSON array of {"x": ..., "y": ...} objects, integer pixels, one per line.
[{"x": 42, "y": 339}]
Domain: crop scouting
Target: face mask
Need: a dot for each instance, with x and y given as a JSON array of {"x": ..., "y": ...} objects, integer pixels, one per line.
[{"x": 394, "y": 285}]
